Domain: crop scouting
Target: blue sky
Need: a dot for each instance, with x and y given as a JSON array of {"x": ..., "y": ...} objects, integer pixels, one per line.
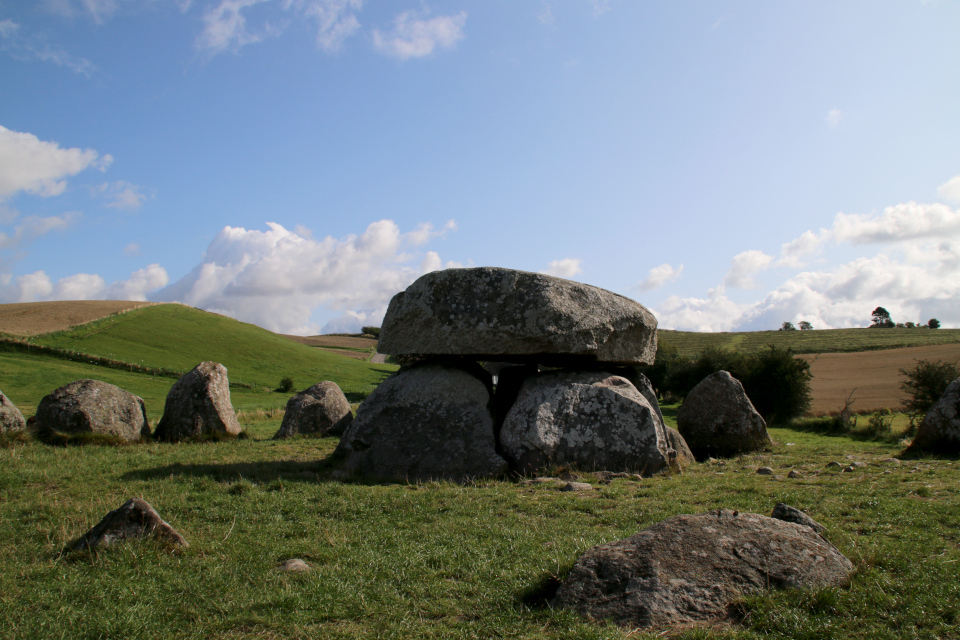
[{"x": 294, "y": 163}]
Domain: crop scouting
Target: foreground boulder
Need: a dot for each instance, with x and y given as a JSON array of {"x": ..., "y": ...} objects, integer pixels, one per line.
[
  {"x": 430, "y": 421},
  {"x": 198, "y": 406},
  {"x": 718, "y": 420},
  {"x": 940, "y": 430},
  {"x": 494, "y": 314},
  {"x": 690, "y": 568},
  {"x": 587, "y": 420},
  {"x": 134, "y": 519},
  {"x": 92, "y": 407},
  {"x": 319, "y": 411},
  {"x": 10, "y": 417}
]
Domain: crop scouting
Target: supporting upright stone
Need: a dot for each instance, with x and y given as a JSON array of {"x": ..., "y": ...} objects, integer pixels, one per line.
[
  {"x": 198, "y": 406},
  {"x": 717, "y": 419}
]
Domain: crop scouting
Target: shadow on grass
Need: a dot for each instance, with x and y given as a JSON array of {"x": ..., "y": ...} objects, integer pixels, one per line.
[{"x": 541, "y": 593}]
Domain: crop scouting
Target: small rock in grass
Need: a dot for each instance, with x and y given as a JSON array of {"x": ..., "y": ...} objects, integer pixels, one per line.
[
  {"x": 848, "y": 469},
  {"x": 295, "y": 565},
  {"x": 858, "y": 464},
  {"x": 636, "y": 476},
  {"x": 534, "y": 481},
  {"x": 892, "y": 461},
  {"x": 794, "y": 474},
  {"x": 834, "y": 465},
  {"x": 134, "y": 519},
  {"x": 765, "y": 471},
  {"x": 577, "y": 486}
]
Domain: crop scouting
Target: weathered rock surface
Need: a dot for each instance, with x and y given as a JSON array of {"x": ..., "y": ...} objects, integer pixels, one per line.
[
  {"x": 689, "y": 568},
  {"x": 587, "y": 420},
  {"x": 320, "y": 410},
  {"x": 791, "y": 514},
  {"x": 717, "y": 419},
  {"x": 676, "y": 442},
  {"x": 134, "y": 519},
  {"x": 10, "y": 417},
  {"x": 940, "y": 430},
  {"x": 428, "y": 421},
  {"x": 496, "y": 314},
  {"x": 92, "y": 406},
  {"x": 198, "y": 405}
]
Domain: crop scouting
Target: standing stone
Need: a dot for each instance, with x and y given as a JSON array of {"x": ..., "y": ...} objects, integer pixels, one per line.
[
  {"x": 690, "y": 568},
  {"x": 10, "y": 417},
  {"x": 676, "y": 442},
  {"x": 940, "y": 430},
  {"x": 488, "y": 313},
  {"x": 92, "y": 406},
  {"x": 428, "y": 421},
  {"x": 587, "y": 420},
  {"x": 134, "y": 519},
  {"x": 198, "y": 405},
  {"x": 717, "y": 419},
  {"x": 319, "y": 411}
]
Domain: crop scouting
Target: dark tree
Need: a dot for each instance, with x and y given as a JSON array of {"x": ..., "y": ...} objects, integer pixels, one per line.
[
  {"x": 787, "y": 326},
  {"x": 805, "y": 326},
  {"x": 925, "y": 383},
  {"x": 933, "y": 323},
  {"x": 881, "y": 318}
]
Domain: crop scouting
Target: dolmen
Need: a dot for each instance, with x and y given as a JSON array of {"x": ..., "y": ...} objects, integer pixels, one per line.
[
  {"x": 198, "y": 407},
  {"x": 565, "y": 355},
  {"x": 92, "y": 407}
]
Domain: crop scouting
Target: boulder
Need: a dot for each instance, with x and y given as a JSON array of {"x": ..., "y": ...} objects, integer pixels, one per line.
[
  {"x": 427, "y": 421},
  {"x": 643, "y": 385},
  {"x": 320, "y": 410},
  {"x": 690, "y": 568},
  {"x": 939, "y": 432},
  {"x": 494, "y": 314},
  {"x": 94, "y": 407},
  {"x": 717, "y": 419},
  {"x": 588, "y": 420},
  {"x": 676, "y": 442},
  {"x": 10, "y": 417},
  {"x": 134, "y": 519},
  {"x": 198, "y": 406}
]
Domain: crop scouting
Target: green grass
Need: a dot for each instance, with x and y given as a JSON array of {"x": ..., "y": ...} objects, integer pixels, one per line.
[
  {"x": 439, "y": 560},
  {"x": 690, "y": 343}
]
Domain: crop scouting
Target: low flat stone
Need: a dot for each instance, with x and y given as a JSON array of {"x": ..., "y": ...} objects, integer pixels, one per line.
[
  {"x": 765, "y": 471},
  {"x": 134, "y": 519},
  {"x": 690, "y": 568},
  {"x": 577, "y": 486},
  {"x": 92, "y": 406},
  {"x": 504, "y": 315},
  {"x": 295, "y": 565}
]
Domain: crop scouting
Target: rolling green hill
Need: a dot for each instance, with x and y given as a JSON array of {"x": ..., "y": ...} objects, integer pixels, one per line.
[
  {"x": 689, "y": 343},
  {"x": 177, "y": 337}
]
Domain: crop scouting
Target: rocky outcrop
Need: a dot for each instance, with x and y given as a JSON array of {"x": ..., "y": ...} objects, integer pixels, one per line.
[
  {"x": 321, "y": 410},
  {"x": 940, "y": 430},
  {"x": 587, "y": 420},
  {"x": 717, "y": 419},
  {"x": 488, "y": 313},
  {"x": 198, "y": 405},
  {"x": 134, "y": 519},
  {"x": 10, "y": 417},
  {"x": 690, "y": 568},
  {"x": 428, "y": 421},
  {"x": 92, "y": 407}
]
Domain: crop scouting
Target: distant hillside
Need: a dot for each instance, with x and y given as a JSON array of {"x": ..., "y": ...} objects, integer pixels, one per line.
[
  {"x": 690, "y": 343},
  {"x": 34, "y": 318}
]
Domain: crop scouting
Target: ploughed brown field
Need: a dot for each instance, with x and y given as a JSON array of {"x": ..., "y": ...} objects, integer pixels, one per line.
[
  {"x": 35, "y": 318},
  {"x": 873, "y": 377},
  {"x": 350, "y": 342}
]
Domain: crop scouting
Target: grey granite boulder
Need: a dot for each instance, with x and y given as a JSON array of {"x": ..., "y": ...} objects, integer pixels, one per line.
[
  {"x": 198, "y": 405},
  {"x": 690, "y": 568},
  {"x": 588, "y": 420},
  {"x": 494, "y": 314},
  {"x": 10, "y": 417},
  {"x": 428, "y": 421},
  {"x": 676, "y": 442},
  {"x": 940, "y": 430},
  {"x": 717, "y": 419},
  {"x": 94, "y": 407},
  {"x": 320, "y": 410},
  {"x": 134, "y": 519}
]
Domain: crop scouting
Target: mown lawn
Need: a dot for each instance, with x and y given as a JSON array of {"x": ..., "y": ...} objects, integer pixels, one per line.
[{"x": 439, "y": 560}]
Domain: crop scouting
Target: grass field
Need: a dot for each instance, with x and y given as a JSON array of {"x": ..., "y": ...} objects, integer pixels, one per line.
[
  {"x": 34, "y": 318},
  {"x": 439, "y": 560}
]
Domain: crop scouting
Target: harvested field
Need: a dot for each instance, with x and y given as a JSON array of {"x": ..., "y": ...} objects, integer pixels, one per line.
[
  {"x": 349, "y": 342},
  {"x": 875, "y": 375},
  {"x": 35, "y": 318}
]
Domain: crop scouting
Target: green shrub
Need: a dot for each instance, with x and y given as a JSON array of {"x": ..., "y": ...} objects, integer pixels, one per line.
[
  {"x": 371, "y": 331},
  {"x": 925, "y": 383},
  {"x": 286, "y": 385}
]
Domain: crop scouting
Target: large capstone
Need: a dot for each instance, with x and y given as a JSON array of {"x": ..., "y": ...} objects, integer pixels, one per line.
[
  {"x": 586, "y": 420},
  {"x": 198, "y": 406},
  {"x": 494, "y": 314},
  {"x": 429, "y": 421},
  {"x": 319, "y": 411},
  {"x": 10, "y": 417},
  {"x": 717, "y": 419},
  {"x": 690, "y": 568},
  {"x": 940, "y": 430},
  {"x": 92, "y": 407}
]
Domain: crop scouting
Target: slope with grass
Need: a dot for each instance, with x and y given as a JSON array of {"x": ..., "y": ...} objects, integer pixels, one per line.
[{"x": 34, "y": 318}]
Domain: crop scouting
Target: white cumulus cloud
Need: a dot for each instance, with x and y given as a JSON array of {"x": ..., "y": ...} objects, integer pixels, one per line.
[
  {"x": 37, "y": 286},
  {"x": 415, "y": 37},
  {"x": 122, "y": 195},
  {"x": 35, "y": 166},
  {"x": 566, "y": 268},
  {"x": 744, "y": 266},
  {"x": 31, "y": 227},
  {"x": 225, "y": 27},
  {"x": 950, "y": 190},
  {"x": 335, "y": 20},
  {"x": 659, "y": 276}
]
